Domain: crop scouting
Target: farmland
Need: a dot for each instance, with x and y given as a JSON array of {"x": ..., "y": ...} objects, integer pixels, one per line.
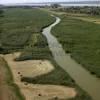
[
  {"x": 17, "y": 29},
  {"x": 21, "y": 32}
]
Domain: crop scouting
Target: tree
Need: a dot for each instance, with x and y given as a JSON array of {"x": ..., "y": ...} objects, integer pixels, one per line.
[{"x": 55, "y": 5}]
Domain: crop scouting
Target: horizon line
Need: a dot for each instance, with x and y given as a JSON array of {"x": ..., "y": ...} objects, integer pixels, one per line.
[{"x": 84, "y": 1}]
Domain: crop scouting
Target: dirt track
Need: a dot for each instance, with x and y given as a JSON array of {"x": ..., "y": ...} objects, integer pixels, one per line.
[{"x": 32, "y": 68}]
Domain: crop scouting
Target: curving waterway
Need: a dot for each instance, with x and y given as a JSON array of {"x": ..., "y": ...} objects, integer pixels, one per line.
[{"x": 82, "y": 77}]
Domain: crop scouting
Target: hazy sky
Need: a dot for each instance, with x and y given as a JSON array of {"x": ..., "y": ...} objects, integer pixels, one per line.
[{"x": 22, "y": 1}]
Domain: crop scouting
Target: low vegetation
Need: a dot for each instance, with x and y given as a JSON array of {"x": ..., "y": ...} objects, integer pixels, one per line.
[
  {"x": 81, "y": 39},
  {"x": 1, "y": 15},
  {"x": 22, "y": 32},
  {"x": 18, "y": 26},
  {"x": 36, "y": 48}
]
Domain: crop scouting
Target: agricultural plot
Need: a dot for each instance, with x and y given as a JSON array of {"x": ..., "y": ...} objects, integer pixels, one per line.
[{"x": 22, "y": 33}]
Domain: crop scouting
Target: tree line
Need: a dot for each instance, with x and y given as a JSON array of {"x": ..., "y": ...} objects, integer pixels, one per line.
[{"x": 86, "y": 10}]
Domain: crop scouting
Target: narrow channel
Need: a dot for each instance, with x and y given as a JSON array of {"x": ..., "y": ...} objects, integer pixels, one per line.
[{"x": 82, "y": 77}]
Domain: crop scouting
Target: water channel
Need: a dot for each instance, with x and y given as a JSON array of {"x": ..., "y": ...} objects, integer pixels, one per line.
[{"x": 82, "y": 77}]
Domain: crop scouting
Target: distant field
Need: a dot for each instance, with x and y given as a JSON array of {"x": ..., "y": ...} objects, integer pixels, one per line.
[{"x": 82, "y": 40}]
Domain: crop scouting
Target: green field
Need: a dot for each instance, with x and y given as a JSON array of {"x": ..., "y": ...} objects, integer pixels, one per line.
[
  {"x": 19, "y": 24},
  {"x": 1, "y": 15},
  {"x": 81, "y": 40},
  {"x": 22, "y": 32}
]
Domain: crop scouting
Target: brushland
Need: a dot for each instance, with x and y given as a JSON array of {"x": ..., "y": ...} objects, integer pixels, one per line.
[{"x": 28, "y": 39}]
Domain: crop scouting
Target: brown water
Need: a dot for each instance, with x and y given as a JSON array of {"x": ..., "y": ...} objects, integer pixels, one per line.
[{"x": 82, "y": 77}]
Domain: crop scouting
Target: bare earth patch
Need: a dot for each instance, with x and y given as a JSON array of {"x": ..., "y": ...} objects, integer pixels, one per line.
[
  {"x": 6, "y": 93},
  {"x": 29, "y": 68},
  {"x": 47, "y": 92},
  {"x": 32, "y": 68}
]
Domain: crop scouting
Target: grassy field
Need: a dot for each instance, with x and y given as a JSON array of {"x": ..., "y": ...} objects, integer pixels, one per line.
[
  {"x": 1, "y": 15},
  {"x": 8, "y": 90},
  {"x": 81, "y": 39},
  {"x": 19, "y": 24},
  {"x": 22, "y": 32}
]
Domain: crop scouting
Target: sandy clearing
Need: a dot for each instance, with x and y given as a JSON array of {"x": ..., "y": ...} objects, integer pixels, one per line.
[
  {"x": 29, "y": 68},
  {"x": 32, "y": 68},
  {"x": 47, "y": 92}
]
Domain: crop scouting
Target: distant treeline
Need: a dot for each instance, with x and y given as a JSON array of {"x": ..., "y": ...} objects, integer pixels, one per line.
[{"x": 86, "y": 10}]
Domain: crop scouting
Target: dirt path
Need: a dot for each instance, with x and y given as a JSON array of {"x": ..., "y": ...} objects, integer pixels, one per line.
[{"x": 32, "y": 68}]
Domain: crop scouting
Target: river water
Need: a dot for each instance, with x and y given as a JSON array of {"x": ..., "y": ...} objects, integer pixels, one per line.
[
  {"x": 82, "y": 77},
  {"x": 80, "y": 5}
]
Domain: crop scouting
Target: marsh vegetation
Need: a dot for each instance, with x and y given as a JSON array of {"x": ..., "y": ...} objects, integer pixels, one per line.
[
  {"x": 81, "y": 39},
  {"x": 22, "y": 33}
]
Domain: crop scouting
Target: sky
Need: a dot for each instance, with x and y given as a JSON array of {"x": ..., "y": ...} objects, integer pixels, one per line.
[{"x": 29, "y": 1}]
